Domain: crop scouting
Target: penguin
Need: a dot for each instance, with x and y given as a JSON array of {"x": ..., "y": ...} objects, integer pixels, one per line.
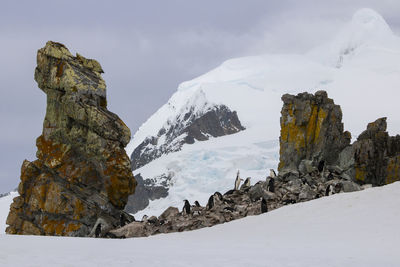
[
  {"x": 186, "y": 207},
  {"x": 271, "y": 185},
  {"x": 338, "y": 187},
  {"x": 329, "y": 190},
  {"x": 321, "y": 165},
  {"x": 122, "y": 219},
  {"x": 237, "y": 181},
  {"x": 197, "y": 204},
  {"x": 144, "y": 218},
  {"x": 247, "y": 182},
  {"x": 230, "y": 192},
  {"x": 98, "y": 230},
  {"x": 210, "y": 203},
  {"x": 264, "y": 207},
  {"x": 219, "y": 195},
  {"x": 272, "y": 173}
]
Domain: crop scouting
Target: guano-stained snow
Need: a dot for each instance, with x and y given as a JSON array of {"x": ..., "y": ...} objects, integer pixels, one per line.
[{"x": 358, "y": 229}]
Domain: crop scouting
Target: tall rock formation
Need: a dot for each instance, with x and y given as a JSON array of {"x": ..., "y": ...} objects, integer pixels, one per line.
[
  {"x": 82, "y": 176},
  {"x": 311, "y": 131},
  {"x": 377, "y": 155}
]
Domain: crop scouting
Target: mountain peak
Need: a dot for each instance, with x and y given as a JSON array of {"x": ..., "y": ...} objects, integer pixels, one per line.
[{"x": 370, "y": 20}]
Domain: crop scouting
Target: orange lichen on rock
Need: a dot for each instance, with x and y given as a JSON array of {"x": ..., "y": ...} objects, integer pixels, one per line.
[{"x": 82, "y": 173}]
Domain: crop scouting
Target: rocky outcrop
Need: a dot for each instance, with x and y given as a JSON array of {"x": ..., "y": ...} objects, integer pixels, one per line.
[
  {"x": 189, "y": 126},
  {"x": 377, "y": 155},
  {"x": 311, "y": 132},
  {"x": 146, "y": 190},
  {"x": 82, "y": 178},
  {"x": 236, "y": 204}
]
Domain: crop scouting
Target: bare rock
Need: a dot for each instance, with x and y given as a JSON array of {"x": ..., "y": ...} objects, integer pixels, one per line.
[
  {"x": 311, "y": 129},
  {"x": 82, "y": 172}
]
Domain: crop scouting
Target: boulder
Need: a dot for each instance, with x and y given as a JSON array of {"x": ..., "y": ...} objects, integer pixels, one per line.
[
  {"x": 377, "y": 155},
  {"x": 311, "y": 130},
  {"x": 82, "y": 174}
]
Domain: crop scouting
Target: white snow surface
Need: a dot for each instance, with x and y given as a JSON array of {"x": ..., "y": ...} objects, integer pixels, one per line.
[
  {"x": 359, "y": 69},
  {"x": 348, "y": 229}
]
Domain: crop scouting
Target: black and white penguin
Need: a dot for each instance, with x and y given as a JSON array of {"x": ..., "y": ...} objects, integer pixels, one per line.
[
  {"x": 98, "y": 230},
  {"x": 321, "y": 165},
  {"x": 186, "y": 207},
  {"x": 271, "y": 185},
  {"x": 237, "y": 181},
  {"x": 229, "y": 192},
  {"x": 264, "y": 207},
  {"x": 338, "y": 188},
  {"x": 272, "y": 173},
  {"x": 197, "y": 204},
  {"x": 247, "y": 182},
  {"x": 122, "y": 219},
  {"x": 219, "y": 195},
  {"x": 329, "y": 190},
  {"x": 145, "y": 218},
  {"x": 210, "y": 203}
]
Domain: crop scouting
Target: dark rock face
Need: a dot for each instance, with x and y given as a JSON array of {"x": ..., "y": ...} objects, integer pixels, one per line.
[
  {"x": 186, "y": 129},
  {"x": 235, "y": 204},
  {"x": 311, "y": 130},
  {"x": 377, "y": 155},
  {"x": 82, "y": 177},
  {"x": 145, "y": 191}
]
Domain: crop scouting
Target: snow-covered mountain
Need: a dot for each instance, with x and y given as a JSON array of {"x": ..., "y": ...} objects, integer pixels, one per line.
[
  {"x": 359, "y": 68},
  {"x": 349, "y": 229}
]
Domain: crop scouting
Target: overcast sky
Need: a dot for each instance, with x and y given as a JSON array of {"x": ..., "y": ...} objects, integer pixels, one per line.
[{"x": 146, "y": 49}]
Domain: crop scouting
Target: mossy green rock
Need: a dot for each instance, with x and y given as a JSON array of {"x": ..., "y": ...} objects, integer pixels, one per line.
[{"x": 82, "y": 172}]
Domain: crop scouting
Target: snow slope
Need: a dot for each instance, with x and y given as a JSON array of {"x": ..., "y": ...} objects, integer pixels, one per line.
[
  {"x": 5, "y": 203},
  {"x": 349, "y": 229},
  {"x": 359, "y": 69}
]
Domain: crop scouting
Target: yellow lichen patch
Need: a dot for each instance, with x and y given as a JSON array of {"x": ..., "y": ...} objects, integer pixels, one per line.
[
  {"x": 321, "y": 117},
  {"x": 361, "y": 174},
  {"x": 53, "y": 200},
  {"x": 79, "y": 209},
  {"x": 72, "y": 227},
  {"x": 29, "y": 228},
  {"x": 312, "y": 124},
  {"x": 393, "y": 170}
]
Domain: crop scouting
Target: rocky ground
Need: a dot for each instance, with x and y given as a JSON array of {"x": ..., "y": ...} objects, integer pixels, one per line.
[{"x": 262, "y": 197}]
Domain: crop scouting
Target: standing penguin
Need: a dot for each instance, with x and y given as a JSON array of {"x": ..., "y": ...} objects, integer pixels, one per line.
[
  {"x": 186, "y": 207},
  {"x": 247, "y": 182},
  {"x": 197, "y": 204},
  {"x": 210, "y": 203},
  {"x": 237, "y": 181},
  {"x": 144, "y": 218},
  {"x": 264, "y": 207},
  {"x": 272, "y": 173},
  {"x": 329, "y": 190},
  {"x": 98, "y": 230},
  {"x": 271, "y": 185}
]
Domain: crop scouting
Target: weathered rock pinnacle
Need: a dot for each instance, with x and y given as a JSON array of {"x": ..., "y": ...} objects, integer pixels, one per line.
[
  {"x": 311, "y": 130},
  {"x": 82, "y": 174}
]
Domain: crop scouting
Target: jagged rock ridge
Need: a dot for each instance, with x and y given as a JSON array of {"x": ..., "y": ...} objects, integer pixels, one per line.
[
  {"x": 82, "y": 174},
  {"x": 236, "y": 204},
  {"x": 312, "y": 139},
  {"x": 194, "y": 123},
  {"x": 311, "y": 130}
]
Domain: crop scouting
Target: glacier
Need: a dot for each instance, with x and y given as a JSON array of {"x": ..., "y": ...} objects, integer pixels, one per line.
[{"x": 358, "y": 68}]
